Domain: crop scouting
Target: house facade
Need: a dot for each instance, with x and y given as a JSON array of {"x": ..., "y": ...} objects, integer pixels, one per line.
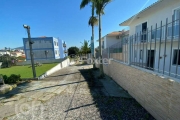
[
  {"x": 43, "y": 48},
  {"x": 113, "y": 41},
  {"x": 62, "y": 48},
  {"x": 4, "y": 52},
  {"x": 112, "y": 38},
  {"x": 154, "y": 38}
]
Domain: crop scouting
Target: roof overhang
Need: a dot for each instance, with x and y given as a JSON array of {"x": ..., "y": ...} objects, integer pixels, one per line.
[{"x": 141, "y": 13}]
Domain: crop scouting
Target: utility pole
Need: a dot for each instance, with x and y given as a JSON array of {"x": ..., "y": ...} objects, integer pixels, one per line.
[{"x": 30, "y": 47}]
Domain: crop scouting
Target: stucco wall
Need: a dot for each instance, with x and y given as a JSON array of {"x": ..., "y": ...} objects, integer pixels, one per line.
[
  {"x": 155, "y": 15},
  {"x": 168, "y": 56},
  {"x": 111, "y": 41},
  {"x": 160, "y": 96},
  {"x": 61, "y": 65}
]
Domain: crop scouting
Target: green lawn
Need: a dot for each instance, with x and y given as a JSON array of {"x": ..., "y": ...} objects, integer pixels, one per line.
[{"x": 26, "y": 71}]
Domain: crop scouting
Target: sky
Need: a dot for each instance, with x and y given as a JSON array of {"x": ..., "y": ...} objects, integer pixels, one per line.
[{"x": 60, "y": 18}]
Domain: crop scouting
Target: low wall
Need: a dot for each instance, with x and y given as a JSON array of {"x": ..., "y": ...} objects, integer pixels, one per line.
[
  {"x": 40, "y": 61},
  {"x": 160, "y": 96},
  {"x": 59, "y": 66}
]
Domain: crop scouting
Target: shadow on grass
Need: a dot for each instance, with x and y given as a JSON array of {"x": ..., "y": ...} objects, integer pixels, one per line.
[{"x": 113, "y": 108}]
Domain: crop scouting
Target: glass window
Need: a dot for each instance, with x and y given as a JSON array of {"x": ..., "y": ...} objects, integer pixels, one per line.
[
  {"x": 176, "y": 56},
  {"x": 176, "y": 13}
]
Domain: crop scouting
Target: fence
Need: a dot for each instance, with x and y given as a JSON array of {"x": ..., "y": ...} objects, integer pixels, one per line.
[{"x": 155, "y": 49}]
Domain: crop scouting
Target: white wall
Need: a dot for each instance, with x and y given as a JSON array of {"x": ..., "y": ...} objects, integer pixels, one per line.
[
  {"x": 111, "y": 41},
  {"x": 56, "y": 47},
  {"x": 159, "y": 96},
  {"x": 157, "y": 60},
  {"x": 155, "y": 15},
  {"x": 61, "y": 65}
]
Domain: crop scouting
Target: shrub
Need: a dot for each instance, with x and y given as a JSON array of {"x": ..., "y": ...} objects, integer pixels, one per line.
[
  {"x": 1, "y": 79},
  {"x": 5, "y": 77},
  {"x": 7, "y": 61},
  {"x": 12, "y": 79}
]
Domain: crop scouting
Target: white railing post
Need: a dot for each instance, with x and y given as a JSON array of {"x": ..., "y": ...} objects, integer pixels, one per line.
[{"x": 129, "y": 51}]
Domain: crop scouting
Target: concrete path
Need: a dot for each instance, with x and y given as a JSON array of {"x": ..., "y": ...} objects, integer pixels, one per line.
[{"x": 67, "y": 94}]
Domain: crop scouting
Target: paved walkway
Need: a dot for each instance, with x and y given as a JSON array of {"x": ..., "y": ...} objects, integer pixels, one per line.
[{"x": 67, "y": 95}]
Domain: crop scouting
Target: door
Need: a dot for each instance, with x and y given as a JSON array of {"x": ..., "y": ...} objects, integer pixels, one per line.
[{"x": 150, "y": 59}]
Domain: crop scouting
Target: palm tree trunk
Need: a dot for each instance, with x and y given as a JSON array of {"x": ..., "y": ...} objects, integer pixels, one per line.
[
  {"x": 92, "y": 42},
  {"x": 100, "y": 47},
  {"x": 93, "y": 56}
]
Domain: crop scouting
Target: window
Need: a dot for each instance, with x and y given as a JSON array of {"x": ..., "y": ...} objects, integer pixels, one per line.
[
  {"x": 176, "y": 14},
  {"x": 135, "y": 53},
  {"x": 176, "y": 17},
  {"x": 175, "y": 57},
  {"x": 138, "y": 28},
  {"x": 55, "y": 51},
  {"x": 103, "y": 44},
  {"x": 142, "y": 28},
  {"x": 54, "y": 43},
  {"x": 140, "y": 54},
  {"x": 57, "y": 43}
]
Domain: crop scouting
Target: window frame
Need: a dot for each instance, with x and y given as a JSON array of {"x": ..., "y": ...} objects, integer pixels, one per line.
[{"x": 174, "y": 58}]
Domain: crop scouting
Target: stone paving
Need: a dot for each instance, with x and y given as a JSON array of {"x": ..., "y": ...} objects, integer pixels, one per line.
[{"x": 66, "y": 95}]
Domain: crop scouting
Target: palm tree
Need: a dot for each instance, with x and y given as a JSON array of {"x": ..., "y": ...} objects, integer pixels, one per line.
[
  {"x": 99, "y": 5},
  {"x": 92, "y": 21}
]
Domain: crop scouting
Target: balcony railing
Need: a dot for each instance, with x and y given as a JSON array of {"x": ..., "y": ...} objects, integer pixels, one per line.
[{"x": 157, "y": 49}]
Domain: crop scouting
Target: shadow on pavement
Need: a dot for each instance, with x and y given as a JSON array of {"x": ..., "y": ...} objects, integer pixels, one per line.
[
  {"x": 62, "y": 75},
  {"x": 113, "y": 108},
  {"x": 19, "y": 89}
]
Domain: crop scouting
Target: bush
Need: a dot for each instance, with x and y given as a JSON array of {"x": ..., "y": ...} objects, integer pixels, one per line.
[
  {"x": 7, "y": 61},
  {"x": 5, "y": 77},
  {"x": 11, "y": 79}
]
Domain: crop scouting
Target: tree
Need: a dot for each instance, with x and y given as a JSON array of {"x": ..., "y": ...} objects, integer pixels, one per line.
[
  {"x": 7, "y": 61},
  {"x": 93, "y": 21},
  {"x": 100, "y": 6},
  {"x": 73, "y": 50},
  {"x": 85, "y": 47}
]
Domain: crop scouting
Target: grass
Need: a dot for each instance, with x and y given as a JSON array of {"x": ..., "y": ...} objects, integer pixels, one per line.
[{"x": 26, "y": 71}]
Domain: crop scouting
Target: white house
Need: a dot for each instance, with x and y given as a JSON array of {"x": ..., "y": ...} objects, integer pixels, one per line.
[
  {"x": 4, "y": 52},
  {"x": 153, "y": 44},
  {"x": 112, "y": 38},
  {"x": 16, "y": 54}
]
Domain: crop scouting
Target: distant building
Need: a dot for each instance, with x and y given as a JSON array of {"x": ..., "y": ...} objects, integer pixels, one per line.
[
  {"x": 16, "y": 54},
  {"x": 4, "y": 52},
  {"x": 62, "y": 48},
  {"x": 43, "y": 48},
  {"x": 113, "y": 38}
]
